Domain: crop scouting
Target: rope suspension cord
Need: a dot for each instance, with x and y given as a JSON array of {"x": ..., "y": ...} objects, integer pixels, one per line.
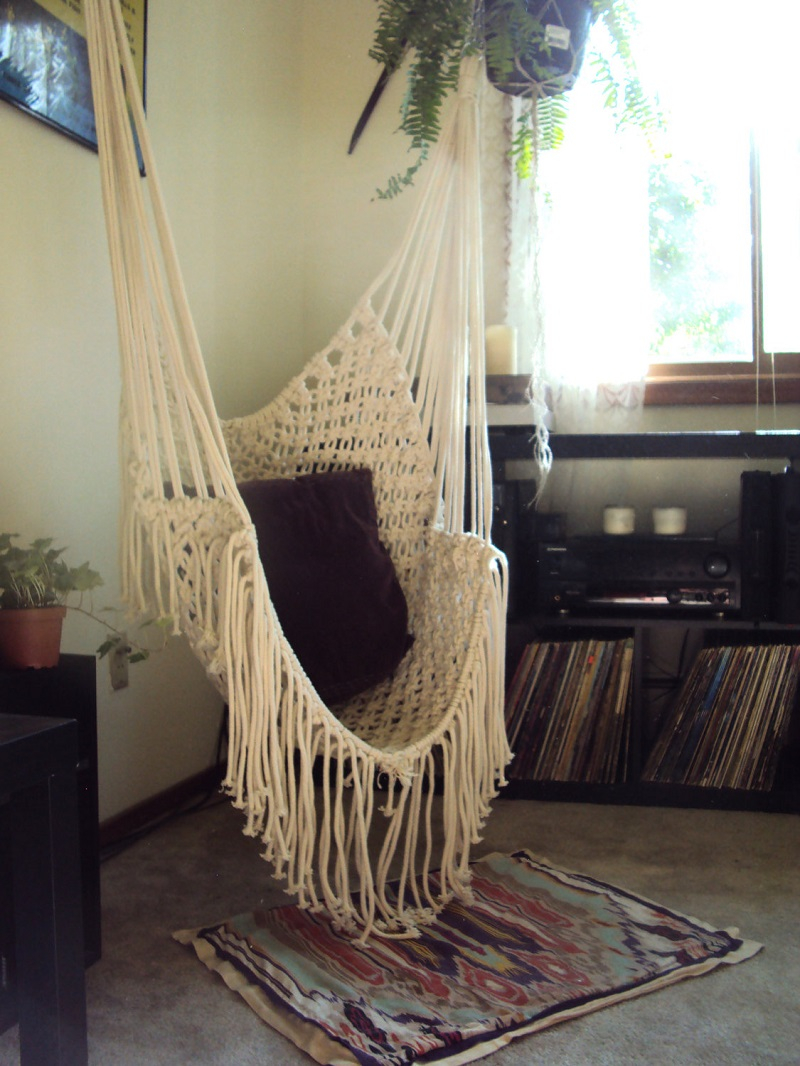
[
  {"x": 432, "y": 304},
  {"x": 189, "y": 547}
]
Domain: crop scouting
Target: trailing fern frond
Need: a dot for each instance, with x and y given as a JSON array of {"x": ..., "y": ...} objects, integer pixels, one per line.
[
  {"x": 432, "y": 38},
  {"x": 618, "y": 76},
  {"x": 551, "y": 117}
]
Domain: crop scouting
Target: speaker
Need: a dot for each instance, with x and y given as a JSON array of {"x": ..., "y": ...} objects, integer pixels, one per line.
[
  {"x": 505, "y": 512},
  {"x": 756, "y": 537},
  {"x": 786, "y": 546}
]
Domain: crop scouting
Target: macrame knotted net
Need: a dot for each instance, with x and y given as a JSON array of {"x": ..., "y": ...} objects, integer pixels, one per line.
[{"x": 342, "y": 798}]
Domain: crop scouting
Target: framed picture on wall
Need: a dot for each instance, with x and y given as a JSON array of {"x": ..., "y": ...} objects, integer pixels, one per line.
[{"x": 44, "y": 61}]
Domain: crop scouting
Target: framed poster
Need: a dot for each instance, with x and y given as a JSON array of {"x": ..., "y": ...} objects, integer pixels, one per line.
[{"x": 44, "y": 60}]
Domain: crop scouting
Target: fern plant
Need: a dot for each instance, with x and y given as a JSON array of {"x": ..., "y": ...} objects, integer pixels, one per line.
[{"x": 435, "y": 35}]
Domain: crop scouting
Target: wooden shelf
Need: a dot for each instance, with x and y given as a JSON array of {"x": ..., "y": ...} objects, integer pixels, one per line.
[
  {"x": 783, "y": 797},
  {"x": 513, "y": 442},
  {"x": 648, "y": 794},
  {"x": 702, "y": 623}
]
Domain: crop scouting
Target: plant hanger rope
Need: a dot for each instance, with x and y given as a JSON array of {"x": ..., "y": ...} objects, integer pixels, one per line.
[{"x": 306, "y": 776}]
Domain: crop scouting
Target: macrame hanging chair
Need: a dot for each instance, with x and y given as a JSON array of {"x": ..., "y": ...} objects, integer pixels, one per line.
[{"x": 342, "y": 797}]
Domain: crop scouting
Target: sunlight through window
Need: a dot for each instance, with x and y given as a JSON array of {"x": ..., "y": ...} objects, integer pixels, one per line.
[{"x": 689, "y": 252}]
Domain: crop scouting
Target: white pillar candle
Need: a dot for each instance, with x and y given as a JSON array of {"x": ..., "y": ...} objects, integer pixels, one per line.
[
  {"x": 501, "y": 350},
  {"x": 669, "y": 521},
  {"x": 619, "y": 520}
]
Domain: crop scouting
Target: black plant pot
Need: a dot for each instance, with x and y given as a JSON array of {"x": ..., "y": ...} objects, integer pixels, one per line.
[{"x": 555, "y": 68}]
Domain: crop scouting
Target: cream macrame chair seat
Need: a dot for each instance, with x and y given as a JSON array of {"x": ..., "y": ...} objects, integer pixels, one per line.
[{"x": 342, "y": 798}]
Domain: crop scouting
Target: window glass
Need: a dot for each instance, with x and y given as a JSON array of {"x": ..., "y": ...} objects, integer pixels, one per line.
[
  {"x": 779, "y": 180},
  {"x": 662, "y": 248},
  {"x": 699, "y": 184}
]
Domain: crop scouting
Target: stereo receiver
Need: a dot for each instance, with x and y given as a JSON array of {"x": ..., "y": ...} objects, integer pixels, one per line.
[{"x": 627, "y": 573}]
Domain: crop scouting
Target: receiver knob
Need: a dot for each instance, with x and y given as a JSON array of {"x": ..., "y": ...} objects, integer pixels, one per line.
[{"x": 716, "y": 564}]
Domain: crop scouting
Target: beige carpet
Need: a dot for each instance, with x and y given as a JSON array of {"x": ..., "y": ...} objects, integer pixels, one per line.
[{"x": 150, "y": 1003}]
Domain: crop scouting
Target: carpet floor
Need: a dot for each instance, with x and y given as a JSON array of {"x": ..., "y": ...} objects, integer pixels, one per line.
[{"x": 149, "y": 1003}]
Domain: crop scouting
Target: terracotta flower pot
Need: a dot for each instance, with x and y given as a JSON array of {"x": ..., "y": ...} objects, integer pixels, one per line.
[{"x": 30, "y": 637}]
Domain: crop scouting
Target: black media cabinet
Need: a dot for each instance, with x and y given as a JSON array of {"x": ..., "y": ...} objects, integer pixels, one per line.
[
  {"x": 696, "y": 629},
  {"x": 65, "y": 691}
]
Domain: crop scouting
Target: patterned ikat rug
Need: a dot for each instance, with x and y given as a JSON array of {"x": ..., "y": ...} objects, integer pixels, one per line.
[{"x": 538, "y": 945}]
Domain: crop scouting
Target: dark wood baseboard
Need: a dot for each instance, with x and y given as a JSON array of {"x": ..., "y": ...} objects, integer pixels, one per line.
[{"x": 130, "y": 821}]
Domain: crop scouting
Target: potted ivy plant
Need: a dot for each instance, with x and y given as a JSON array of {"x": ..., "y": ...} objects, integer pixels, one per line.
[
  {"x": 35, "y": 583},
  {"x": 533, "y": 48}
]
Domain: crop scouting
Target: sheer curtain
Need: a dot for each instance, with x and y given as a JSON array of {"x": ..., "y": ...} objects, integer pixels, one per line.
[{"x": 578, "y": 270}]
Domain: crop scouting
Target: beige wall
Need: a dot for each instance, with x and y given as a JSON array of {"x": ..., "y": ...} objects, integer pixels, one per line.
[
  {"x": 348, "y": 232},
  {"x": 278, "y": 234}
]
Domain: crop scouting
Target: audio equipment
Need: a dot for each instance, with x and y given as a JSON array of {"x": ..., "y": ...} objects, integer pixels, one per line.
[
  {"x": 755, "y": 536},
  {"x": 505, "y": 537},
  {"x": 786, "y": 546},
  {"x": 512, "y": 510},
  {"x": 625, "y": 573}
]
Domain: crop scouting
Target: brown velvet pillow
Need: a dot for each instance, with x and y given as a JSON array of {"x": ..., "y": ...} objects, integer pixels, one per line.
[{"x": 331, "y": 580}]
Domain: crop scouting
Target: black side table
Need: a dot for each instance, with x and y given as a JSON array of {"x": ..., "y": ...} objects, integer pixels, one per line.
[
  {"x": 64, "y": 691},
  {"x": 38, "y": 760}
]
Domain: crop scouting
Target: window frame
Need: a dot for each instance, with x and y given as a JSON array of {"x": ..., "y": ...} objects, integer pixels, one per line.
[{"x": 763, "y": 380}]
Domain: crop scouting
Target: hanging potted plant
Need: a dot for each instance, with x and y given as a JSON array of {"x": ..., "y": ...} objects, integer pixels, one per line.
[
  {"x": 34, "y": 585},
  {"x": 533, "y": 48},
  {"x": 536, "y": 48}
]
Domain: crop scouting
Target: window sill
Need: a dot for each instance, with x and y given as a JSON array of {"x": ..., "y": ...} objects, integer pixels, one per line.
[{"x": 730, "y": 383}]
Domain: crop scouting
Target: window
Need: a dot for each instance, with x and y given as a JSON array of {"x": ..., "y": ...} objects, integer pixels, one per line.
[{"x": 689, "y": 255}]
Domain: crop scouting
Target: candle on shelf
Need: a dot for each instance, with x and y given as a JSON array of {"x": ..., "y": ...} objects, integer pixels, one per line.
[
  {"x": 619, "y": 520},
  {"x": 501, "y": 350},
  {"x": 669, "y": 521}
]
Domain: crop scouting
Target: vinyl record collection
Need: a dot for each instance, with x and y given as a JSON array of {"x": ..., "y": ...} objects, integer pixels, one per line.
[
  {"x": 567, "y": 711},
  {"x": 729, "y": 722}
]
